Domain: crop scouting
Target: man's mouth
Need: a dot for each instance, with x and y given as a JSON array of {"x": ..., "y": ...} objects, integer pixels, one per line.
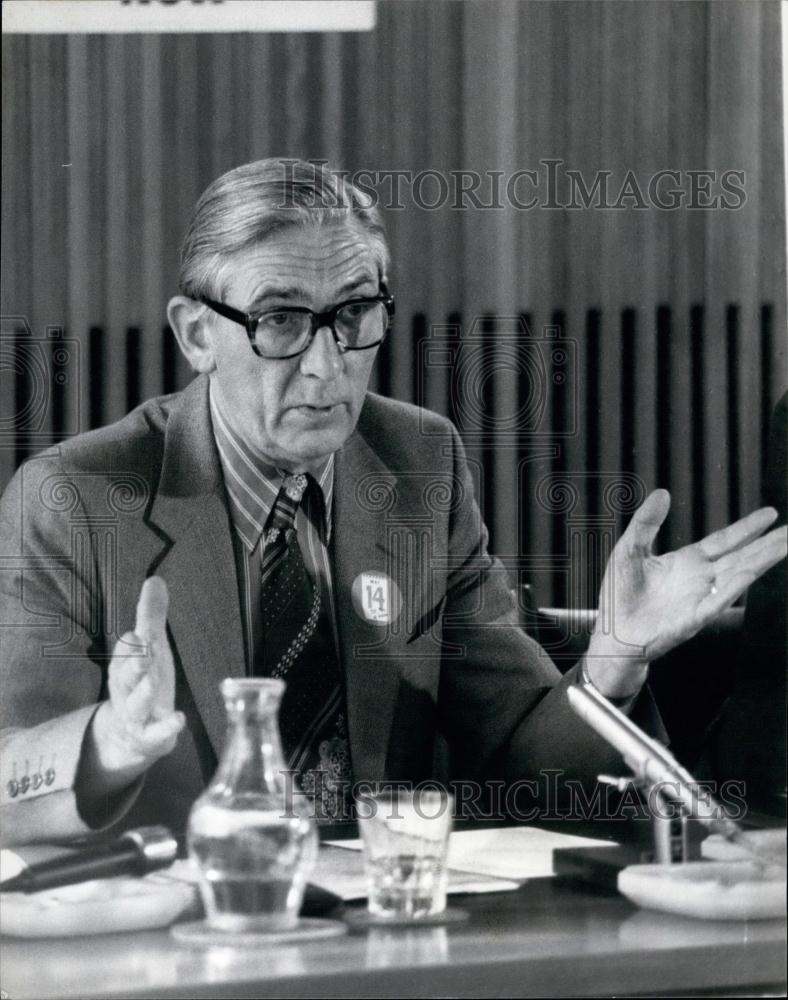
[{"x": 315, "y": 408}]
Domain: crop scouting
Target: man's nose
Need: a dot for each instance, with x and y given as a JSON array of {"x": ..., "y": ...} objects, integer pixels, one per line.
[{"x": 323, "y": 357}]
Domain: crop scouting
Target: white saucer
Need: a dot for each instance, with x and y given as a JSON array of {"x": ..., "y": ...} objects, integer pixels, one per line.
[
  {"x": 102, "y": 906},
  {"x": 712, "y": 890}
]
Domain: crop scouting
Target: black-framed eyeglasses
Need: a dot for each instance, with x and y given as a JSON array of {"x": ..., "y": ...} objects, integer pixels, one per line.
[{"x": 287, "y": 331}]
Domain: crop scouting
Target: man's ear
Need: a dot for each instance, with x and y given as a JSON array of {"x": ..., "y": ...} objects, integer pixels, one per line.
[{"x": 189, "y": 324}]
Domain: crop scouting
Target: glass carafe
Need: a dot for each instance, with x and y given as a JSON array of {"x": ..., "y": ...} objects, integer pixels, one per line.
[{"x": 252, "y": 838}]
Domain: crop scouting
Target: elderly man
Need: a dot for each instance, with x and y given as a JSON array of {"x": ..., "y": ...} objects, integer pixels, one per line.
[{"x": 251, "y": 533}]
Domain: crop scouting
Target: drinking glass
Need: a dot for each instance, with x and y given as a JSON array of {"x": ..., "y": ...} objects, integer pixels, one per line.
[{"x": 406, "y": 837}]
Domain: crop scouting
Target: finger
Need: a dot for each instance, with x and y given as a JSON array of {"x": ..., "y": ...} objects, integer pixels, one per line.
[
  {"x": 731, "y": 589},
  {"x": 742, "y": 569},
  {"x": 738, "y": 534},
  {"x": 757, "y": 557},
  {"x": 162, "y": 672},
  {"x": 152, "y": 610},
  {"x": 122, "y": 681},
  {"x": 647, "y": 520},
  {"x": 154, "y": 739},
  {"x": 134, "y": 658},
  {"x": 129, "y": 648},
  {"x": 156, "y": 735},
  {"x": 160, "y": 712},
  {"x": 139, "y": 702},
  {"x": 127, "y": 665}
]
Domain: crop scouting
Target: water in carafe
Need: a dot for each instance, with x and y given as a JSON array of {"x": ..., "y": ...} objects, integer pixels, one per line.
[{"x": 253, "y": 840}]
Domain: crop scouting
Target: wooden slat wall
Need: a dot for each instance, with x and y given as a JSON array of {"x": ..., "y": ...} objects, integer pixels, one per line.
[{"x": 678, "y": 317}]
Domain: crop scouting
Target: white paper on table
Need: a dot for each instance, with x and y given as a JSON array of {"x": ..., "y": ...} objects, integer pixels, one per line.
[
  {"x": 511, "y": 852},
  {"x": 517, "y": 852}
]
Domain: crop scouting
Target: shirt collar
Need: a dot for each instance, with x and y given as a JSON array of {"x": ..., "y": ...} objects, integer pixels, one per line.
[{"x": 252, "y": 484}]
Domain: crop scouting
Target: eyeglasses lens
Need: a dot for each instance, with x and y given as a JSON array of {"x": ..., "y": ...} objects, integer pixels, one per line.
[{"x": 287, "y": 331}]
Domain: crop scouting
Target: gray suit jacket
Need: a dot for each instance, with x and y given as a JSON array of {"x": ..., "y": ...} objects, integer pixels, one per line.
[{"x": 451, "y": 684}]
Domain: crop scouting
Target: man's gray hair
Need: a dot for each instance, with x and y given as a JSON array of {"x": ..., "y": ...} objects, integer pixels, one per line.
[{"x": 250, "y": 202}]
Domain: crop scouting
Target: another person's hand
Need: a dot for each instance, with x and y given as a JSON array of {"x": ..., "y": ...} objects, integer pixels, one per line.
[
  {"x": 649, "y": 603},
  {"x": 138, "y": 723}
]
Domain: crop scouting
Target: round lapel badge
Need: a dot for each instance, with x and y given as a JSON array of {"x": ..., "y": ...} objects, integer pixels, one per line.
[{"x": 376, "y": 598}]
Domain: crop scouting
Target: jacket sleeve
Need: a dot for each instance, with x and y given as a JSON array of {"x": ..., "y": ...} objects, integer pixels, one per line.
[
  {"x": 502, "y": 701},
  {"x": 54, "y": 656}
]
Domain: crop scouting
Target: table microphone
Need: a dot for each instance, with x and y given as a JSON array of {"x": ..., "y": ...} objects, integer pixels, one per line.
[
  {"x": 658, "y": 768},
  {"x": 133, "y": 853}
]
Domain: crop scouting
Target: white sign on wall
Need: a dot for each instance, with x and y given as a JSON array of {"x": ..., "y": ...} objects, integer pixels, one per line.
[{"x": 100, "y": 16}]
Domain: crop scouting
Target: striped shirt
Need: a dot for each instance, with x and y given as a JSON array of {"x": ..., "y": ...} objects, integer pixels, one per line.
[{"x": 252, "y": 485}]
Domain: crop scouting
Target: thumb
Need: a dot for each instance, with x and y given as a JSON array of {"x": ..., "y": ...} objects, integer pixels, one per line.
[
  {"x": 152, "y": 610},
  {"x": 647, "y": 520}
]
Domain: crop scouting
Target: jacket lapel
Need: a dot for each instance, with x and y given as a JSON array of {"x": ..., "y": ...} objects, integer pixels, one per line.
[
  {"x": 199, "y": 565},
  {"x": 376, "y": 526},
  {"x": 357, "y": 533}
]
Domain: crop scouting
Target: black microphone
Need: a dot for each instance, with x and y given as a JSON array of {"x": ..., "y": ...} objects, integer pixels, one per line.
[{"x": 133, "y": 853}]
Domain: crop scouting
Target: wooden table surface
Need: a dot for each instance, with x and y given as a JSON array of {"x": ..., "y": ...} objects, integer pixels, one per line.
[{"x": 553, "y": 937}]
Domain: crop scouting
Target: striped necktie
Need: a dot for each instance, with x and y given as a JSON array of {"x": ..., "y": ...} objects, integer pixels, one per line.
[
  {"x": 298, "y": 646},
  {"x": 290, "y": 603}
]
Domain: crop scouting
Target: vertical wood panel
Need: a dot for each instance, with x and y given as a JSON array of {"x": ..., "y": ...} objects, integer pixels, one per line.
[
  {"x": 146, "y": 122},
  {"x": 734, "y": 66},
  {"x": 263, "y": 138},
  {"x": 687, "y": 95},
  {"x": 400, "y": 48},
  {"x": 652, "y": 141},
  {"x": 536, "y": 141},
  {"x": 120, "y": 245},
  {"x": 677, "y": 435},
  {"x": 15, "y": 234},
  {"x": 217, "y": 123},
  {"x": 187, "y": 172},
  {"x": 581, "y": 285},
  {"x": 80, "y": 271},
  {"x": 772, "y": 270},
  {"x": 47, "y": 233},
  {"x": 771, "y": 229},
  {"x": 330, "y": 97},
  {"x": 153, "y": 164}
]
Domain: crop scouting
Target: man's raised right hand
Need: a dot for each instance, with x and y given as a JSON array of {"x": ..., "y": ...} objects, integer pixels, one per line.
[{"x": 138, "y": 723}]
